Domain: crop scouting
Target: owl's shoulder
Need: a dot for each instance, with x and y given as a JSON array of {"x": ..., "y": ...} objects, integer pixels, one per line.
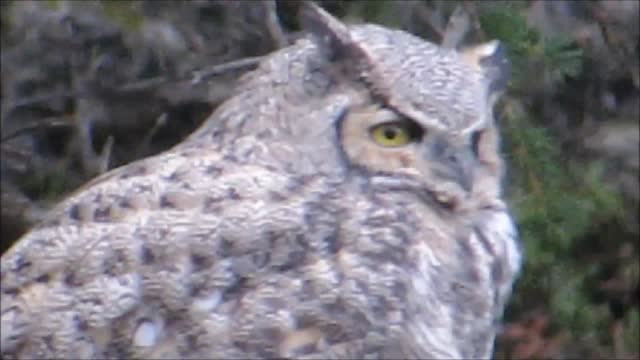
[{"x": 173, "y": 227}]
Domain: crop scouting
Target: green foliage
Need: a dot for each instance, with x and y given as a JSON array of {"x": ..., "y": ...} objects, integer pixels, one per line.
[
  {"x": 124, "y": 13},
  {"x": 529, "y": 51},
  {"x": 50, "y": 185},
  {"x": 555, "y": 206},
  {"x": 564, "y": 202},
  {"x": 556, "y": 199},
  {"x": 561, "y": 58},
  {"x": 51, "y": 4},
  {"x": 633, "y": 327},
  {"x": 374, "y": 11},
  {"x": 509, "y": 26}
]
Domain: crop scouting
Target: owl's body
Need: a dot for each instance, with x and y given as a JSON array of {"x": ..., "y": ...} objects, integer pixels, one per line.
[{"x": 294, "y": 223}]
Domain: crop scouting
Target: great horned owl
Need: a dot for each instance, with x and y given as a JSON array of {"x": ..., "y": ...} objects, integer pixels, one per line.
[{"x": 344, "y": 203}]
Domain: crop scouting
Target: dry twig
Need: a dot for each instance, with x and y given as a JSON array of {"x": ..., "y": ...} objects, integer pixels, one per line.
[{"x": 273, "y": 25}]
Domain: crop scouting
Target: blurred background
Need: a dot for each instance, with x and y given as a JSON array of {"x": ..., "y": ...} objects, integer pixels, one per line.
[{"x": 92, "y": 85}]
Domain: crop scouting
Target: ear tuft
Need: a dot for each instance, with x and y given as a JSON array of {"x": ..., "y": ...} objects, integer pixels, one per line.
[
  {"x": 492, "y": 58},
  {"x": 333, "y": 35},
  {"x": 497, "y": 66}
]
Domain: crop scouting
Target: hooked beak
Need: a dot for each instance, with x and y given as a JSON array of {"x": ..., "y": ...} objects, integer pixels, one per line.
[{"x": 450, "y": 162}]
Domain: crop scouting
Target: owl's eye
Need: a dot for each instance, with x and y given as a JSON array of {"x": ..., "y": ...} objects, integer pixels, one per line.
[{"x": 392, "y": 134}]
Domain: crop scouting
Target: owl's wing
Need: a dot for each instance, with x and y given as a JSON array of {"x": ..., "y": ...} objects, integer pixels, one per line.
[{"x": 179, "y": 255}]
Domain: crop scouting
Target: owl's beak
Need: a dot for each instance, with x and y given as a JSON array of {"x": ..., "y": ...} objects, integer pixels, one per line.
[{"x": 450, "y": 162}]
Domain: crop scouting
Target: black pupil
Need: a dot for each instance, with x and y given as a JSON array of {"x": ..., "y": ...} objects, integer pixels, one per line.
[{"x": 390, "y": 133}]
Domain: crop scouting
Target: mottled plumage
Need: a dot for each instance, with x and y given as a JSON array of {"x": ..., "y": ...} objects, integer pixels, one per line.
[{"x": 291, "y": 224}]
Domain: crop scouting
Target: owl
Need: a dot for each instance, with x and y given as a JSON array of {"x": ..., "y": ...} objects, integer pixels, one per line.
[{"x": 345, "y": 202}]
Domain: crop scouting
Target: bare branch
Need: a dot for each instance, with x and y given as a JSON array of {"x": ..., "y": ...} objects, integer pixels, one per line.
[
  {"x": 105, "y": 156},
  {"x": 199, "y": 76},
  {"x": 273, "y": 25},
  {"x": 145, "y": 144},
  {"x": 195, "y": 77},
  {"x": 423, "y": 15},
  {"x": 457, "y": 27},
  {"x": 42, "y": 124}
]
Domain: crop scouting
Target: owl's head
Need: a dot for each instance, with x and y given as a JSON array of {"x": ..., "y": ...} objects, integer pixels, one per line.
[
  {"x": 426, "y": 114},
  {"x": 373, "y": 102}
]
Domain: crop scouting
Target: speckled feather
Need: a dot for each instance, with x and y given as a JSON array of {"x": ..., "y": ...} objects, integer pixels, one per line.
[{"x": 262, "y": 235}]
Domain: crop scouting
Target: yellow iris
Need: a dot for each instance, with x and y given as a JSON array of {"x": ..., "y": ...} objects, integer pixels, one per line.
[{"x": 391, "y": 134}]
